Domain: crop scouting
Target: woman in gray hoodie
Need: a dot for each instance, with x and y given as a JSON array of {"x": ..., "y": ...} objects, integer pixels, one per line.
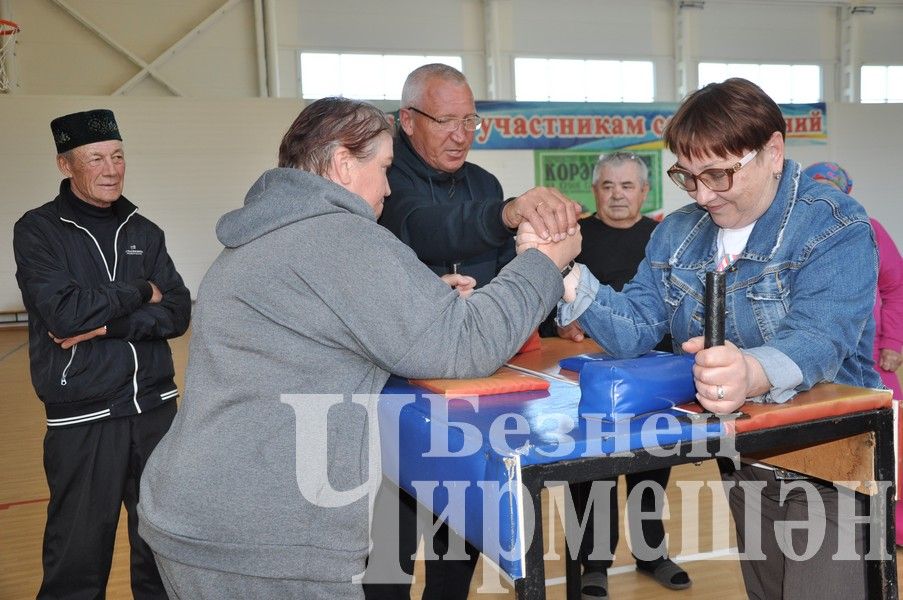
[{"x": 260, "y": 489}]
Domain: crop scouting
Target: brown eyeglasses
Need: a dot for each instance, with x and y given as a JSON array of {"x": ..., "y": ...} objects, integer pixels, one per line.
[{"x": 717, "y": 180}]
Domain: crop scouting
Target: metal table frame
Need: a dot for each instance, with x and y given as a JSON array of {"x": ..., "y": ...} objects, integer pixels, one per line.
[{"x": 882, "y": 575}]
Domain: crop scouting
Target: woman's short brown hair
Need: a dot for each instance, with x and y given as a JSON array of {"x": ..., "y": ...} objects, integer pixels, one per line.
[
  {"x": 723, "y": 119},
  {"x": 326, "y": 124}
]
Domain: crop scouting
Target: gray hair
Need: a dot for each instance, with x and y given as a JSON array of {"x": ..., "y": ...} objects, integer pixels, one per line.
[
  {"x": 415, "y": 83},
  {"x": 618, "y": 158}
]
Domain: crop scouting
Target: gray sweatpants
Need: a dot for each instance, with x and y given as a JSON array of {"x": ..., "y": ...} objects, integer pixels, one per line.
[{"x": 184, "y": 582}]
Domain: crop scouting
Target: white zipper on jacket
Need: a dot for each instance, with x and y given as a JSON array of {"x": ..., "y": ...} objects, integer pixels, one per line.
[
  {"x": 112, "y": 276},
  {"x": 68, "y": 364}
]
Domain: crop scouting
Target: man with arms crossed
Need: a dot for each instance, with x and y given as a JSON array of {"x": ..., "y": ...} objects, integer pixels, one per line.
[{"x": 102, "y": 296}]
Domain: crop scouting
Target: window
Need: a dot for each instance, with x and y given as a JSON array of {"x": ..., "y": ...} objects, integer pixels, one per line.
[
  {"x": 881, "y": 84},
  {"x": 574, "y": 80},
  {"x": 784, "y": 83},
  {"x": 361, "y": 76}
]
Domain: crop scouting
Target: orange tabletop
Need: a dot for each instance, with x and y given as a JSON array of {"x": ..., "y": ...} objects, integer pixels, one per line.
[
  {"x": 822, "y": 401},
  {"x": 847, "y": 459}
]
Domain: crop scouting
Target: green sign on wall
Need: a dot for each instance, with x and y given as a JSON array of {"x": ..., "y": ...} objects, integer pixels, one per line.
[{"x": 571, "y": 171}]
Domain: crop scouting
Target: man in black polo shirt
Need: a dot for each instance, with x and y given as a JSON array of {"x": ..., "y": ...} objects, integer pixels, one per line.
[{"x": 614, "y": 245}]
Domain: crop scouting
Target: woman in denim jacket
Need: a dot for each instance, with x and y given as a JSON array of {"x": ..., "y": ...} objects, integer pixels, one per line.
[{"x": 801, "y": 270}]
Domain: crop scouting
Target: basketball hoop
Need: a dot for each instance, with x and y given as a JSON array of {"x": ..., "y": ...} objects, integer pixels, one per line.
[{"x": 8, "y": 31}]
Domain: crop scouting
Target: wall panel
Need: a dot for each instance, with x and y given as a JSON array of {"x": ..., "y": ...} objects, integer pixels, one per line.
[
  {"x": 191, "y": 160},
  {"x": 188, "y": 162}
]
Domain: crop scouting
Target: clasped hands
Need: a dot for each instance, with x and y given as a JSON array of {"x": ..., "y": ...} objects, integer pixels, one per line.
[
  {"x": 560, "y": 252},
  {"x": 552, "y": 215},
  {"x": 724, "y": 376},
  {"x": 546, "y": 220},
  {"x": 528, "y": 238}
]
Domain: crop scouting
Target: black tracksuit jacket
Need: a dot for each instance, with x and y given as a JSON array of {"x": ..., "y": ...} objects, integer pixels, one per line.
[
  {"x": 69, "y": 288},
  {"x": 448, "y": 218}
]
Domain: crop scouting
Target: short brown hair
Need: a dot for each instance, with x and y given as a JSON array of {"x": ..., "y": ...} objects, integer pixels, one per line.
[
  {"x": 722, "y": 119},
  {"x": 326, "y": 124}
]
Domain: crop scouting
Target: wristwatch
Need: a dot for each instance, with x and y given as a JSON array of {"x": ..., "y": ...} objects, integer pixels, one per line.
[{"x": 567, "y": 269}]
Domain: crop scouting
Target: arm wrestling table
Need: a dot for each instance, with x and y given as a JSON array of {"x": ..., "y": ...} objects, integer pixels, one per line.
[{"x": 485, "y": 463}]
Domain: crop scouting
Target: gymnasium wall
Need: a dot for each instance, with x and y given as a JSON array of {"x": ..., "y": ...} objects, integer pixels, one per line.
[
  {"x": 187, "y": 162},
  {"x": 208, "y": 48},
  {"x": 192, "y": 157},
  {"x": 191, "y": 160}
]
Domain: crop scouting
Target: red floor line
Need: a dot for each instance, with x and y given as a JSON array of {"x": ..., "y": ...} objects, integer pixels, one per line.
[{"x": 20, "y": 502}]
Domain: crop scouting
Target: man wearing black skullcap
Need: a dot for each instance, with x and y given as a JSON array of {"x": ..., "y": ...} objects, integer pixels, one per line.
[{"x": 102, "y": 296}]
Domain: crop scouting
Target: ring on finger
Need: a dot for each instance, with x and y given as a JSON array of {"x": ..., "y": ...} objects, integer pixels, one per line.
[{"x": 720, "y": 391}]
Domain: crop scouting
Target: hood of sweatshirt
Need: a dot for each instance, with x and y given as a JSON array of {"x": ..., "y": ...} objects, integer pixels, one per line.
[{"x": 284, "y": 196}]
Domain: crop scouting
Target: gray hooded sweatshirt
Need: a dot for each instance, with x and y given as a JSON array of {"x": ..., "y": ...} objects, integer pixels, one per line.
[{"x": 310, "y": 296}]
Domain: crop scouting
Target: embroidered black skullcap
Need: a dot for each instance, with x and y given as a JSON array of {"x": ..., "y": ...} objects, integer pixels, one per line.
[{"x": 78, "y": 129}]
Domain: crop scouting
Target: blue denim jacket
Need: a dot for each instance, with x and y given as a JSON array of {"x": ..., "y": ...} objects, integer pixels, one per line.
[{"x": 799, "y": 298}]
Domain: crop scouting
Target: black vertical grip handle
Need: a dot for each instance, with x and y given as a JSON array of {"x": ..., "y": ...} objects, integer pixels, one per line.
[{"x": 714, "y": 308}]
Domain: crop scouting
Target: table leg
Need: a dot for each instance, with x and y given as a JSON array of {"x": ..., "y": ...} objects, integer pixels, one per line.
[
  {"x": 533, "y": 585},
  {"x": 572, "y": 565},
  {"x": 882, "y": 575}
]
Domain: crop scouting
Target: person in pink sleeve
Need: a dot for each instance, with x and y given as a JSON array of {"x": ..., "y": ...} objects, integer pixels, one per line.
[
  {"x": 888, "y": 302},
  {"x": 888, "y": 310}
]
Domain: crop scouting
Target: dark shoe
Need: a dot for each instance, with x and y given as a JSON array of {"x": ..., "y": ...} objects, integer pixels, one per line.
[
  {"x": 594, "y": 585},
  {"x": 666, "y": 573}
]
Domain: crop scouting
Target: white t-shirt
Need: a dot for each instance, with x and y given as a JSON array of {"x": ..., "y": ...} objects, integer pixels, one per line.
[{"x": 731, "y": 242}]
